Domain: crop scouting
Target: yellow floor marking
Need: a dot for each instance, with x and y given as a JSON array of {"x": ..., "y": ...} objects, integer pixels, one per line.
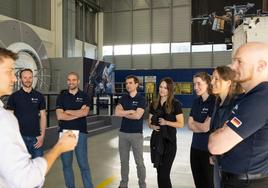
[{"x": 106, "y": 182}]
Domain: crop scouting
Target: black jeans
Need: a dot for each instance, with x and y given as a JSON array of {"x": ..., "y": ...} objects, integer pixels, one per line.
[
  {"x": 163, "y": 171},
  {"x": 201, "y": 168},
  {"x": 235, "y": 183}
]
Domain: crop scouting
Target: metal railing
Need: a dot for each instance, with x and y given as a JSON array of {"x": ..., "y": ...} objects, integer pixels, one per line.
[{"x": 99, "y": 105}]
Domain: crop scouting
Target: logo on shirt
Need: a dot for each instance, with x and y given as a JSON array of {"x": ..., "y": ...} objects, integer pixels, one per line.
[
  {"x": 79, "y": 99},
  {"x": 34, "y": 100},
  {"x": 235, "y": 109},
  {"x": 135, "y": 103},
  {"x": 236, "y": 122},
  {"x": 204, "y": 110}
]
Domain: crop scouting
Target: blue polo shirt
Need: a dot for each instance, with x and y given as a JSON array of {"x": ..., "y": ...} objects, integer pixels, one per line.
[
  {"x": 132, "y": 103},
  {"x": 199, "y": 112},
  {"x": 26, "y": 107},
  {"x": 68, "y": 101},
  {"x": 249, "y": 119},
  {"x": 222, "y": 112}
]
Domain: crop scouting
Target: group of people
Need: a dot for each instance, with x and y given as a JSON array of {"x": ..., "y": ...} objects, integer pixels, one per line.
[
  {"x": 228, "y": 118},
  {"x": 23, "y": 164},
  {"x": 217, "y": 95},
  {"x": 165, "y": 116}
]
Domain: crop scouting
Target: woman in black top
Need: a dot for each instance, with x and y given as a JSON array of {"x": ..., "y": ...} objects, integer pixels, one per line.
[
  {"x": 165, "y": 116},
  {"x": 226, "y": 90},
  {"x": 199, "y": 123}
]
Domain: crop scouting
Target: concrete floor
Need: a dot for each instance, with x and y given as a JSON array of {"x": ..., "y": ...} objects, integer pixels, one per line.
[{"x": 105, "y": 165}]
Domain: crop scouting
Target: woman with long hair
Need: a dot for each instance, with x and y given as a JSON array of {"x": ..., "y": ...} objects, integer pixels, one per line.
[
  {"x": 226, "y": 90},
  {"x": 165, "y": 115},
  {"x": 199, "y": 123}
]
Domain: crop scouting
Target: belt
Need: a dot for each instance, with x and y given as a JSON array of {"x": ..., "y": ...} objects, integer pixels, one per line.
[{"x": 227, "y": 175}]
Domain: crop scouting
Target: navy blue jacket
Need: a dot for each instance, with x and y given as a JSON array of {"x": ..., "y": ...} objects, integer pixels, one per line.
[{"x": 249, "y": 119}]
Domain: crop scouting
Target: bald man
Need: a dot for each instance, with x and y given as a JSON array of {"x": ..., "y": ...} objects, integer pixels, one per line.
[{"x": 243, "y": 140}]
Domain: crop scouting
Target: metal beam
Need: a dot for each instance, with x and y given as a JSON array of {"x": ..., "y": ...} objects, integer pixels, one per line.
[
  {"x": 92, "y": 5},
  {"x": 132, "y": 21},
  {"x": 151, "y": 32},
  {"x": 148, "y": 2},
  {"x": 130, "y": 4},
  {"x": 170, "y": 33}
]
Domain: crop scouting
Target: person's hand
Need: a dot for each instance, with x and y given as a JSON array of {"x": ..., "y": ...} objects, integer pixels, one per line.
[
  {"x": 155, "y": 128},
  {"x": 206, "y": 126},
  {"x": 162, "y": 121},
  {"x": 67, "y": 142},
  {"x": 83, "y": 107},
  {"x": 39, "y": 142}
]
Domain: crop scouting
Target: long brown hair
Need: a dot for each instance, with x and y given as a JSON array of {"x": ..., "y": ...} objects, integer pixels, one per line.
[
  {"x": 226, "y": 73},
  {"x": 170, "y": 97}
]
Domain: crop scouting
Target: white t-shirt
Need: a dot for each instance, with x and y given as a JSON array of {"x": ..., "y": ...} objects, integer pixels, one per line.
[{"x": 17, "y": 169}]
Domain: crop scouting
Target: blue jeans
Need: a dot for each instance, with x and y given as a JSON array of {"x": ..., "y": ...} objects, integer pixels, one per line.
[
  {"x": 30, "y": 141},
  {"x": 81, "y": 156}
]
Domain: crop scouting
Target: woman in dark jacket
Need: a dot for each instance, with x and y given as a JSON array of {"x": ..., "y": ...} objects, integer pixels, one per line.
[{"x": 165, "y": 116}]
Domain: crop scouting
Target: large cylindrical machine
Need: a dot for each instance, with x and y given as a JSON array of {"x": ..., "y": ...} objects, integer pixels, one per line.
[{"x": 20, "y": 38}]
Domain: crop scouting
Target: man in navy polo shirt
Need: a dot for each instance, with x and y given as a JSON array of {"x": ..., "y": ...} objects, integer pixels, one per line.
[
  {"x": 131, "y": 108},
  {"x": 29, "y": 107},
  {"x": 72, "y": 108},
  {"x": 243, "y": 140}
]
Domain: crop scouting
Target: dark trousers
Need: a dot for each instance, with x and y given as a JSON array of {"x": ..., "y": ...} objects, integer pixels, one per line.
[
  {"x": 201, "y": 168},
  {"x": 163, "y": 171},
  {"x": 235, "y": 183}
]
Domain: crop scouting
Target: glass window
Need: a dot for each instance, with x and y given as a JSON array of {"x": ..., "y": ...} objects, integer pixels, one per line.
[
  {"x": 140, "y": 49},
  {"x": 79, "y": 20},
  {"x": 122, "y": 50},
  {"x": 90, "y": 26},
  {"x": 180, "y": 47},
  {"x": 107, "y": 50},
  {"x": 202, "y": 48},
  {"x": 160, "y": 48},
  {"x": 219, "y": 47}
]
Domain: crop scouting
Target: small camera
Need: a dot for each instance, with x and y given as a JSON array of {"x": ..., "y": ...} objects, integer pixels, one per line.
[{"x": 156, "y": 115}]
